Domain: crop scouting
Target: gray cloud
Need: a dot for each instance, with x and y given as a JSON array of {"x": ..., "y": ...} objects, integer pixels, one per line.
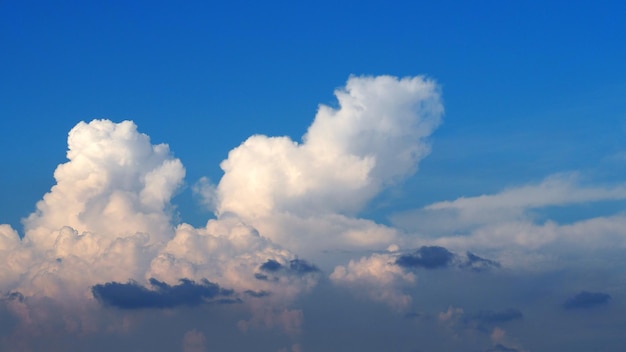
[
  {"x": 435, "y": 257},
  {"x": 586, "y": 299},
  {"x": 427, "y": 257},
  {"x": 477, "y": 263},
  {"x": 132, "y": 295},
  {"x": 297, "y": 267}
]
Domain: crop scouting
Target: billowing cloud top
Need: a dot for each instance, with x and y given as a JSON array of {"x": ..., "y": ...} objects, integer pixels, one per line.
[
  {"x": 376, "y": 137},
  {"x": 103, "y": 246},
  {"x": 104, "y": 233}
]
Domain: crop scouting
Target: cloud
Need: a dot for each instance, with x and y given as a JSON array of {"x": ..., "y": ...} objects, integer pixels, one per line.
[
  {"x": 514, "y": 204},
  {"x": 428, "y": 257},
  {"x": 194, "y": 341},
  {"x": 477, "y": 326},
  {"x": 435, "y": 257},
  {"x": 375, "y": 138},
  {"x": 586, "y": 299},
  {"x": 385, "y": 277},
  {"x": 378, "y": 278},
  {"x": 295, "y": 267},
  {"x": 134, "y": 296},
  {"x": 559, "y": 189},
  {"x": 477, "y": 263},
  {"x": 106, "y": 233}
]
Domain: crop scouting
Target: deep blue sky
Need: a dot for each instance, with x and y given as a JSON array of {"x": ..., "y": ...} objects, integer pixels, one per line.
[
  {"x": 535, "y": 118},
  {"x": 529, "y": 87}
]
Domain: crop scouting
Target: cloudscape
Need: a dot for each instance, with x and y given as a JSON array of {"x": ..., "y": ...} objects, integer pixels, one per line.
[{"x": 390, "y": 202}]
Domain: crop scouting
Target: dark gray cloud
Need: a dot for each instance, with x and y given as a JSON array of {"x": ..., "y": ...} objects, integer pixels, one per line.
[
  {"x": 13, "y": 296},
  {"x": 427, "y": 257},
  {"x": 477, "y": 263},
  {"x": 296, "y": 267},
  {"x": 132, "y": 295},
  {"x": 271, "y": 266},
  {"x": 435, "y": 257},
  {"x": 302, "y": 267},
  {"x": 585, "y": 299}
]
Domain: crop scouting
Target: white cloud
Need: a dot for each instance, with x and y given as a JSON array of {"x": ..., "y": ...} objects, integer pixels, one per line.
[
  {"x": 511, "y": 204},
  {"x": 109, "y": 215},
  {"x": 376, "y": 137},
  {"x": 508, "y": 226},
  {"x": 108, "y": 218},
  {"x": 377, "y": 277}
]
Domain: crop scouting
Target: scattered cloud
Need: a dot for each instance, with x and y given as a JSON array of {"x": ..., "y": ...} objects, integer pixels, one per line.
[
  {"x": 385, "y": 277},
  {"x": 377, "y": 277},
  {"x": 428, "y": 257},
  {"x": 134, "y": 296},
  {"x": 586, "y": 299}
]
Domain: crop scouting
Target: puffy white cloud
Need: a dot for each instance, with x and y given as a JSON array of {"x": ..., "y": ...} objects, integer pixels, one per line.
[
  {"x": 109, "y": 217},
  {"x": 115, "y": 184},
  {"x": 377, "y": 277},
  {"x": 294, "y": 193}
]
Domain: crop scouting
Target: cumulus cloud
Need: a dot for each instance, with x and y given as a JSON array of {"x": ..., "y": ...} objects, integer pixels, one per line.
[
  {"x": 385, "y": 277},
  {"x": 377, "y": 277},
  {"x": 108, "y": 220},
  {"x": 375, "y": 138},
  {"x": 105, "y": 231},
  {"x": 428, "y": 257}
]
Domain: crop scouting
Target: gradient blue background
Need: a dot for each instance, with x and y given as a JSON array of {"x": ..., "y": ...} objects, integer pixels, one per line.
[{"x": 530, "y": 87}]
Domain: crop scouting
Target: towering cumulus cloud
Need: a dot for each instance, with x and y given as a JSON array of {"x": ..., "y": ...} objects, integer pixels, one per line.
[
  {"x": 106, "y": 215},
  {"x": 103, "y": 238},
  {"x": 376, "y": 137}
]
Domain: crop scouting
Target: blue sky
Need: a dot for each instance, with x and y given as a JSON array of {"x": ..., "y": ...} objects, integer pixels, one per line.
[{"x": 535, "y": 119}]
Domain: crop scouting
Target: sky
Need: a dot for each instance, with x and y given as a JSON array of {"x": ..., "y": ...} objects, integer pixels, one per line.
[{"x": 312, "y": 176}]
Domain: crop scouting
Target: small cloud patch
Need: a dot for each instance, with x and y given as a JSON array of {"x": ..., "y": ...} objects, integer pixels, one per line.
[
  {"x": 132, "y": 295},
  {"x": 271, "y": 269},
  {"x": 477, "y": 263},
  {"x": 427, "y": 257},
  {"x": 586, "y": 299}
]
